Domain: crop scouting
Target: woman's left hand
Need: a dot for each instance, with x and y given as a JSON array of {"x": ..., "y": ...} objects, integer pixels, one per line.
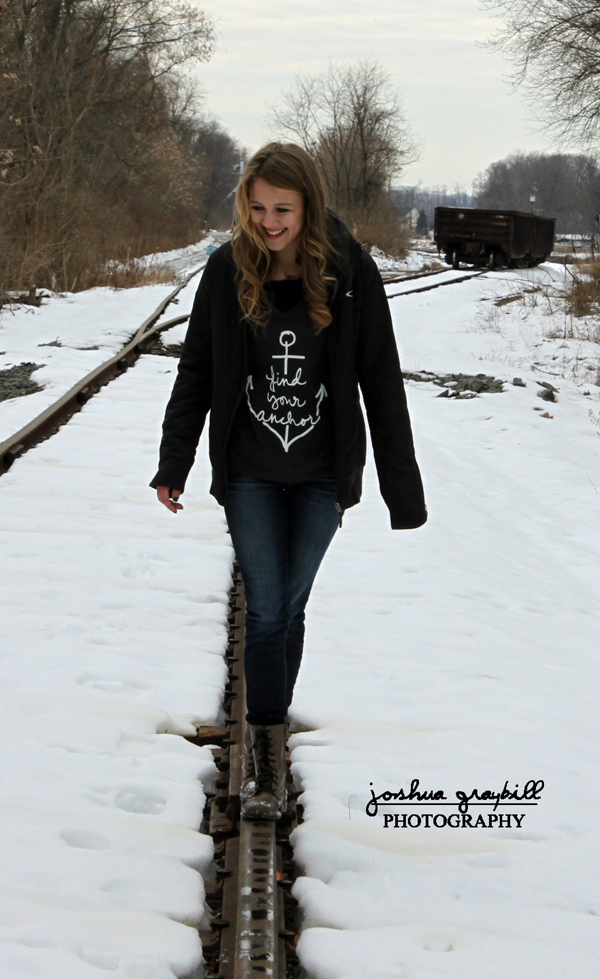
[{"x": 169, "y": 497}]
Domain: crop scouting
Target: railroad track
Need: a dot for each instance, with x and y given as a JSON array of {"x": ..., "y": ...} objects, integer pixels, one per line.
[
  {"x": 389, "y": 277},
  {"x": 254, "y": 923},
  {"x": 52, "y": 418},
  {"x": 254, "y": 916},
  {"x": 434, "y": 285}
]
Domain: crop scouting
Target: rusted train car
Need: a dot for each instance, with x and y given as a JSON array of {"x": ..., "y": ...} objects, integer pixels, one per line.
[{"x": 493, "y": 238}]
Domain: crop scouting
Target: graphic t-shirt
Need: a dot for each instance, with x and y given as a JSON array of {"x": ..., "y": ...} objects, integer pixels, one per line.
[{"x": 283, "y": 429}]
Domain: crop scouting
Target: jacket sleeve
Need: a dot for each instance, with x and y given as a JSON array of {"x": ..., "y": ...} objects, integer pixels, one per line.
[
  {"x": 191, "y": 396},
  {"x": 382, "y": 387}
]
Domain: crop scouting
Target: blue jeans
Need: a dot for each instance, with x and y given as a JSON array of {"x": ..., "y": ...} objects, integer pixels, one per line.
[{"x": 280, "y": 533}]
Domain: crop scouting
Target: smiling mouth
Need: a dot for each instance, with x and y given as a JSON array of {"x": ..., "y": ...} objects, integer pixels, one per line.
[{"x": 275, "y": 234}]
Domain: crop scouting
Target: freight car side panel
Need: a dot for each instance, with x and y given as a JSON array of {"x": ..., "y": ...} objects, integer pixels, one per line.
[
  {"x": 520, "y": 245},
  {"x": 455, "y": 225},
  {"x": 475, "y": 233},
  {"x": 542, "y": 238}
]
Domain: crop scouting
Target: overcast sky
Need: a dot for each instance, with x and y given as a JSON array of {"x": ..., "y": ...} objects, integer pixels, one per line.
[{"x": 455, "y": 93}]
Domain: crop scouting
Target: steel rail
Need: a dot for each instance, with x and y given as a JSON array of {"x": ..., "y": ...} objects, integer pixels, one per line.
[
  {"x": 438, "y": 285},
  {"x": 252, "y": 929},
  {"x": 56, "y": 414},
  {"x": 389, "y": 277},
  {"x": 249, "y": 937},
  {"x": 49, "y": 420}
]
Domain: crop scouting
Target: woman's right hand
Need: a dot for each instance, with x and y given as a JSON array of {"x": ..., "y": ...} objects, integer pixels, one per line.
[{"x": 169, "y": 497}]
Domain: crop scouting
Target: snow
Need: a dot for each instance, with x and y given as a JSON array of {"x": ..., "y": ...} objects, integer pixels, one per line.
[
  {"x": 72, "y": 333},
  {"x": 183, "y": 260},
  {"x": 463, "y": 654},
  {"x": 114, "y": 629},
  {"x": 418, "y": 258}
]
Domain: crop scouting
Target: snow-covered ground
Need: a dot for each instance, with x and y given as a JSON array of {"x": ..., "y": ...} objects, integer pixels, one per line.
[
  {"x": 72, "y": 333},
  {"x": 462, "y": 654},
  {"x": 113, "y": 633},
  {"x": 415, "y": 261}
]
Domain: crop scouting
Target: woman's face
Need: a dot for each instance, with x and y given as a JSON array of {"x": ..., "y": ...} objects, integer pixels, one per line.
[{"x": 278, "y": 215}]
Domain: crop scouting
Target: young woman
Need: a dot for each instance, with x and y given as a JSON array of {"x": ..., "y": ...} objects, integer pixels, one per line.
[{"x": 289, "y": 319}]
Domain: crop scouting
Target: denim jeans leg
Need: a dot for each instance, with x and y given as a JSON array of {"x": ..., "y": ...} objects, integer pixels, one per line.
[
  {"x": 280, "y": 533},
  {"x": 256, "y": 513},
  {"x": 312, "y": 522}
]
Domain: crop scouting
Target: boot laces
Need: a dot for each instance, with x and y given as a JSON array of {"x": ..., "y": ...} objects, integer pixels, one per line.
[{"x": 266, "y": 770}]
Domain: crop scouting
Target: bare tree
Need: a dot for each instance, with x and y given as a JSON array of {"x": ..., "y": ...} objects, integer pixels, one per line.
[
  {"x": 555, "y": 46},
  {"x": 94, "y": 124},
  {"x": 350, "y": 119}
]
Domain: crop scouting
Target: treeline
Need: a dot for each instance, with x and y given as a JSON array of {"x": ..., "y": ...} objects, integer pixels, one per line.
[
  {"x": 565, "y": 186},
  {"x": 104, "y": 152},
  {"x": 417, "y": 200}
]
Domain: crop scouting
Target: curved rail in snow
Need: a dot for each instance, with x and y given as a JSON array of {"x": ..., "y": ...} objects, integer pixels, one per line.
[
  {"x": 253, "y": 928},
  {"x": 50, "y": 420},
  {"x": 444, "y": 277}
]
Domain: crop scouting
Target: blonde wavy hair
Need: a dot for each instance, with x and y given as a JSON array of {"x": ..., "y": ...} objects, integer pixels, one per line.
[{"x": 289, "y": 167}]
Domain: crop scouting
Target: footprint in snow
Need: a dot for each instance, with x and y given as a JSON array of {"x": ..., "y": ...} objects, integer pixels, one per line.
[
  {"x": 144, "y": 801},
  {"x": 113, "y": 685},
  {"x": 84, "y": 839}
]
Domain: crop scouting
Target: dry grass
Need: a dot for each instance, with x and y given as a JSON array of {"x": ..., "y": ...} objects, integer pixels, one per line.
[
  {"x": 90, "y": 255},
  {"x": 431, "y": 266},
  {"x": 126, "y": 275},
  {"x": 116, "y": 275},
  {"x": 583, "y": 297},
  {"x": 380, "y": 226},
  {"x": 582, "y": 306},
  {"x": 31, "y": 298}
]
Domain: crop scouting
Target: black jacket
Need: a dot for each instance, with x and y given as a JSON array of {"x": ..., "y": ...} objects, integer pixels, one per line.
[{"x": 362, "y": 350}]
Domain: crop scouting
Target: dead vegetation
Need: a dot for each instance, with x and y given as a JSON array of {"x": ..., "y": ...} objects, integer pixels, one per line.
[
  {"x": 380, "y": 226},
  {"x": 583, "y": 296},
  {"x": 104, "y": 154},
  {"x": 125, "y": 275},
  {"x": 433, "y": 267},
  {"x": 582, "y": 307}
]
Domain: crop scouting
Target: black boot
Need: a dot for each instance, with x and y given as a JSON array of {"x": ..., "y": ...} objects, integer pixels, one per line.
[
  {"x": 268, "y": 749},
  {"x": 248, "y": 772}
]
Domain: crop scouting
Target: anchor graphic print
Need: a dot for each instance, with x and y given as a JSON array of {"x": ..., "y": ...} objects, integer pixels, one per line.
[{"x": 292, "y": 411}]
